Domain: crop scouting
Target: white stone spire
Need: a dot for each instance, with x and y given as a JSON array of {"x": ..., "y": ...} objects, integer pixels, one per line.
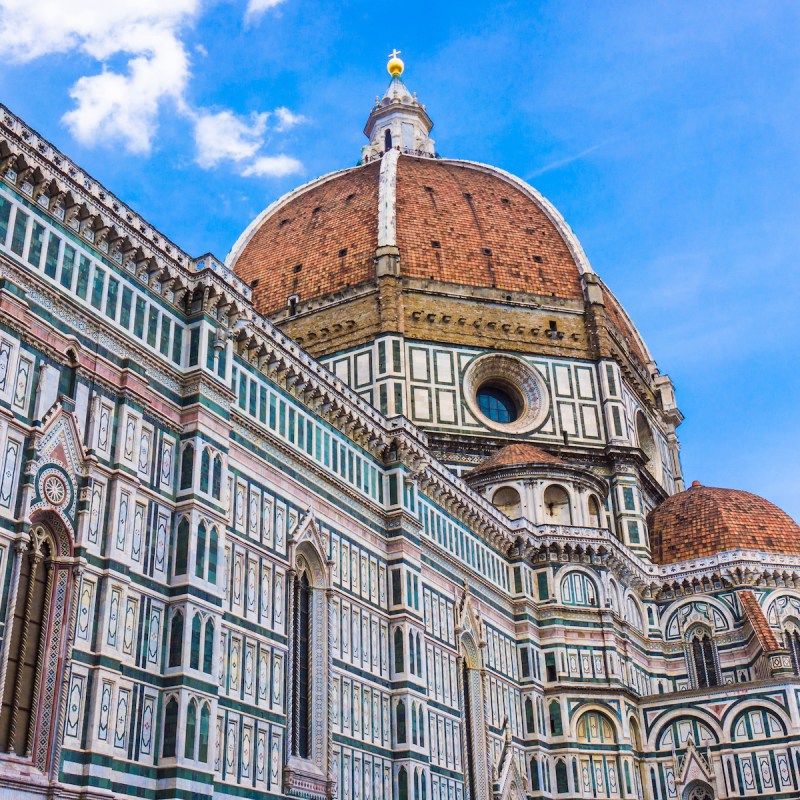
[{"x": 397, "y": 120}]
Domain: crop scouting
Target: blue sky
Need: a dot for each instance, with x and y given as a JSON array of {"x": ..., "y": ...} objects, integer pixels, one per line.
[{"x": 666, "y": 133}]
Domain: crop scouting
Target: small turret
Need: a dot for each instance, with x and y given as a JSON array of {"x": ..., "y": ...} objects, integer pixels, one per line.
[{"x": 397, "y": 120}]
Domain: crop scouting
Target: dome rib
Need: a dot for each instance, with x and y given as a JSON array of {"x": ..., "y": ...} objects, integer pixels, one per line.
[{"x": 457, "y": 222}]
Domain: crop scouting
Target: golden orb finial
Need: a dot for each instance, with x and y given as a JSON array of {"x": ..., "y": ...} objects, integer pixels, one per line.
[{"x": 395, "y": 65}]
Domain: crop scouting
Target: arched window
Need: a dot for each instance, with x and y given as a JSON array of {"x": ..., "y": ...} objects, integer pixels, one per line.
[
  {"x": 205, "y": 469},
  {"x": 578, "y": 590},
  {"x": 556, "y": 728},
  {"x": 419, "y": 656},
  {"x": 595, "y": 728},
  {"x": 191, "y": 729},
  {"x": 507, "y": 500},
  {"x": 704, "y": 659},
  {"x": 187, "y": 467},
  {"x": 387, "y": 141},
  {"x": 529, "y": 723},
  {"x": 304, "y": 667},
  {"x": 216, "y": 479},
  {"x": 633, "y": 614},
  {"x": 182, "y": 547},
  {"x": 194, "y": 656},
  {"x": 791, "y": 639},
  {"x": 400, "y": 721},
  {"x": 646, "y": 442},
  {"x": 213, "y": 546},
  {"x": 200, "y": 560},
  {"x": 557, "y": 506},
  {"x": 170, "y": 728},
  {"x": 417, "y": 790},
  {"x": 535, "y": 782},
  {"x": 176, "y": 639},
  {"x": 413, "y": 723},
  {"x": 411, "y": 656},
  {"x": 399, "y": 656},
  {"x": 595, "y": 514},
  {"x": 205, "y": 715},
  {"x": 208, "y": 647},
  {"x": 421, "y": 726},
  {"x": 562, "y": 784}
]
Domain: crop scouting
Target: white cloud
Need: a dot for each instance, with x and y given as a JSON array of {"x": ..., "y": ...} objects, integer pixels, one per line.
[
  {"x": 287, "y": 119},
  {"x": 121, "y": 104},
  {"x": 224, "y": 136},
  {"x": 112, "y": 105},
  {"x": 272, "y": 166},
  {"x": 255, "y": 8}
]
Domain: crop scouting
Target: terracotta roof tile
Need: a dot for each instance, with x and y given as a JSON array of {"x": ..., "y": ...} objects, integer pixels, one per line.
[
  {"x": 755, "y": 614},
  {"x": 516, "y": 454},
  {"x": 704, "y": 520}
]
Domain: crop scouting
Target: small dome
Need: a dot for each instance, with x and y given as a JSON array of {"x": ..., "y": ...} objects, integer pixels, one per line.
[
  {"x": 514, "y": 455},
  {"x": 704, "y": 520}
]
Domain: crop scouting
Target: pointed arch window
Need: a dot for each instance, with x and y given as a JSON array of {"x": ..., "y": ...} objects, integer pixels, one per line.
[
  {"x": 213, "y": 546},
  {"x": 556, "y": 727},
  {"x": 402, "y": 784},
  {"x": 535, "y": 783},
  {"x": 202, "y": 749},
  {"x": 187, "y": 467},
  {"x": 208, "y": 647},
  {"x": 399, "y": 656},
  {"x": 200, "y": 561},
  {"x": 170, "y": 728},
  {"x": 205, "y": 469},
  {"x": 182, "y": 547},
  {"x": 216, "y": 478},
  {"x": 194, "y": 658},
  {"x": 400, "y": 721},
  {"x": 191, "y": 730},
  {"x": 562, "y": 783},
  {"x": 703, "y": 653},
  {"x": 791, "y": 638},
  {"x": 529, "y": 723},
  {"x": 303, "y": 666},
  {"x": 176, "y": 639}
]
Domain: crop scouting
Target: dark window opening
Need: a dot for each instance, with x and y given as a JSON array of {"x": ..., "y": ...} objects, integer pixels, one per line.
[
  {"x": 304, "y": 669},
  {"x": 497, "y": 405}
]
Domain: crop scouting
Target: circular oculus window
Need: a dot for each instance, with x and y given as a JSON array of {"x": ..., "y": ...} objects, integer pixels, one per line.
[{"x": 506, "y": 394}]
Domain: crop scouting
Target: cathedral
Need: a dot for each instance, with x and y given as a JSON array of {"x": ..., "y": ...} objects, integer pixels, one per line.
[{"x": 387, "y": 505}]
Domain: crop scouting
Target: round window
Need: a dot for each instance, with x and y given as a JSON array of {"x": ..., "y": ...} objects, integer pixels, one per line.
[
  {"x": 496, "y": 404},
  {"x": 506, "y": 393}
]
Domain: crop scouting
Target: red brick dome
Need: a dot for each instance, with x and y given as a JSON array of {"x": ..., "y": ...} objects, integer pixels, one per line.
[
  {"x": 704, "y": 520},
  {"x": 453, "y": 221},
  {"x": 514, "y": 455}
]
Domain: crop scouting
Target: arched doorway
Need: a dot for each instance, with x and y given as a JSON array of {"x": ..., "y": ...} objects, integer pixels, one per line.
[{"x": 42, "y": 604}]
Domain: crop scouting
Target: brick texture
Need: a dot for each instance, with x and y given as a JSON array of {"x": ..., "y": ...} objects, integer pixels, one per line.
[
  {"x": 320, "y": 242},
  {"x": 489, "y": 233},
  {"x": 705, "y": 520}
]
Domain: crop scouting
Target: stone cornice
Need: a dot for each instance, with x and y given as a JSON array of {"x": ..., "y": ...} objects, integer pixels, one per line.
[{"x": 36, "y": 169}]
